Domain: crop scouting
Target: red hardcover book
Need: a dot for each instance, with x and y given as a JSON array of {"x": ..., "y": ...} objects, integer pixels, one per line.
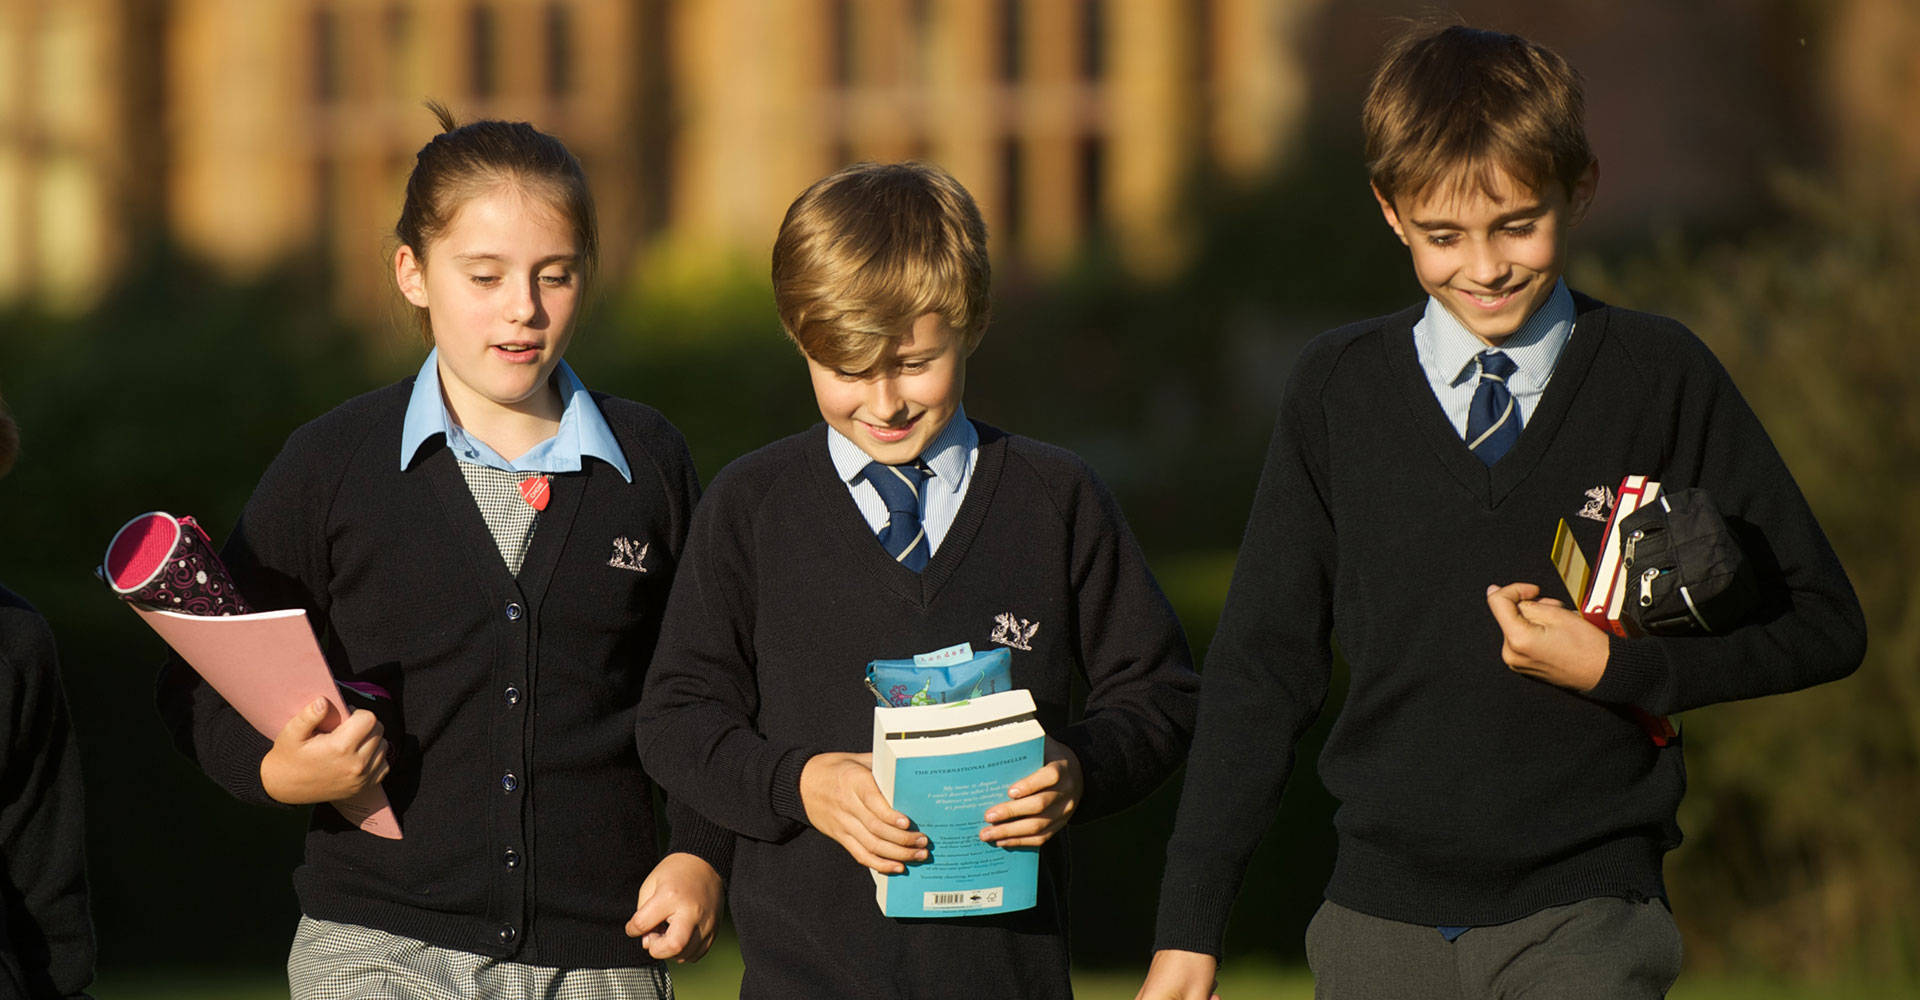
[{"x": 1604, "y": 601}]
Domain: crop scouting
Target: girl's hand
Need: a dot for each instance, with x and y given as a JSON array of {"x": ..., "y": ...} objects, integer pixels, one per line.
[
  {"x": 678, "y": 909},
  {"x": 307, "y": 766},
  {"x": 1180, "y": 975},
  {"x": 842, "y": 802},
  {"x": 1042, "y": 802}
]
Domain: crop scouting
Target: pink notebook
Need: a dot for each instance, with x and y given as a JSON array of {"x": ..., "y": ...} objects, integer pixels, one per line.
[{"x": 268, "y": 667}]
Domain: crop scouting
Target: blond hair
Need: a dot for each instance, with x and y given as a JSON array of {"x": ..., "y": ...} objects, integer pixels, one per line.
[
  {"x": 1454, "y": 106},
  {"x": 870, "y": 248}
]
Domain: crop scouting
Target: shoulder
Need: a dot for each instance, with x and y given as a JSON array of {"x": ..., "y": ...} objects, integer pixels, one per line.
[
  {"x": 1068, "y": 482},
  {"x": 341, "y": 432},
  {"x": 26, "y": 641},
  {"x": 765, "y": 472},
  {"x": 1347, "y": 347},
  {"x": 1645, "y": 336},
  {"x": 646, "y": 434}
]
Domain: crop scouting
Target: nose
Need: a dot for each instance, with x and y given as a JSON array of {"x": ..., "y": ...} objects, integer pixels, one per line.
[
  {"x": 884, "y": 399},
  {"x": 524, "y": 304},
  {"x": 1488, "y": 267}
]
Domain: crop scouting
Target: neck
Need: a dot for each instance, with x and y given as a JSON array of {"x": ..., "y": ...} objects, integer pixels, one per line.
[{"x": 511, "y": 429}]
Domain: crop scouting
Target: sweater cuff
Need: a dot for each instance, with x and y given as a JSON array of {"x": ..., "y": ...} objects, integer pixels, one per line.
[
  {"x": 1193, "y": 911},
  {"x": 238, "y": 758},
  {"x": 1637, "y": 674},
  {"x": 709, "y": 842},
  {"x": 785, "y": 793}
]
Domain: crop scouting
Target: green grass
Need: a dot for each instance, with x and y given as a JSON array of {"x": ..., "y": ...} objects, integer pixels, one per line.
[{"x": 718, "y": 978}]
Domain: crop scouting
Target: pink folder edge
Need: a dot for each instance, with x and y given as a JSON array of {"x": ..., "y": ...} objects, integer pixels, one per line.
[{"x": 268, "y": 667}]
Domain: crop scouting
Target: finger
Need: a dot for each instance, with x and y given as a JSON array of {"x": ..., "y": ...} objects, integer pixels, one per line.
[
  {"x": 876, "y": 843},
  {"x": 1516, "y": 592},
  {"x": 670, "y": 941},
  {"x": 300, "y": 728},
  {"x": 1005, "y": 834},
  {"x": 1047, "y": 777},
  {"x": 868, "y": 859},
  {"x": 877, "y": 807},
  {"x": 1031, "y": 805},
  {"x": 1506, "y": 611}
]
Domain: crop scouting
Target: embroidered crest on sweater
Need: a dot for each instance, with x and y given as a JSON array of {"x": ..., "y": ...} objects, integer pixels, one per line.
[
  {"x": 628, "y": 554},
  {"x": 1599, "y": 501},
  {"x": 1014, "y": 632}
]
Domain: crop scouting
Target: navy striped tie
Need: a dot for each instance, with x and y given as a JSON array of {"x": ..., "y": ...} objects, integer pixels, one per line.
[
  {"x": 904, "y": 537},
  {"x": 1493, "y": 421}
]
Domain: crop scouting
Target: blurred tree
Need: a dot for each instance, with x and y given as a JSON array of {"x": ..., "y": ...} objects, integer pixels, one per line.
[{"x": 1803, "y": 810}]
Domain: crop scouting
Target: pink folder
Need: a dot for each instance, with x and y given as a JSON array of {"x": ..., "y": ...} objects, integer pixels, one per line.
[{"x": 268, "y": 667}]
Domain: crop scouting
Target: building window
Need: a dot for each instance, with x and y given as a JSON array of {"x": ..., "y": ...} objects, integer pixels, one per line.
[
  {"x": 398, "y": 25},
  {"x": 326, "y": 55},
  {"x": 1012, "y": 38},
  {"x": 1093, "y": 40},
  {"x": 559, "y": 51},
  {"x": 1012, "y": 191},
  {"x": 840, "y": 23},
  {"x": 482, "y": 32}
]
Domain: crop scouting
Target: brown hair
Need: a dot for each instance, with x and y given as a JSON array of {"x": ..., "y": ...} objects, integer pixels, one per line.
[
  {"x": 467, "y": 160},
  {"x": 1456, "y": 105},
  {"x": 9, "y": 439},
  {"x": 871, "y": 247}
]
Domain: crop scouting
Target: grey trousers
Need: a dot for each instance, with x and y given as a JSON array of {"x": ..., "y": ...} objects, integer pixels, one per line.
[
  {"x": 334, "y": 961},
  {"x": 1596, "y": 949}
]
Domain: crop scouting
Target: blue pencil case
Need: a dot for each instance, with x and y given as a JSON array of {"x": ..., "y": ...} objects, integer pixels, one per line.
[{"x": 953, "y": 674}]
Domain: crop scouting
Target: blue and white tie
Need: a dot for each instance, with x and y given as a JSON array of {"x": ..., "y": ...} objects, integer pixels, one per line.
[
  {"x": 904, "y": 537},
  {"x": 1493, "y": 421}
]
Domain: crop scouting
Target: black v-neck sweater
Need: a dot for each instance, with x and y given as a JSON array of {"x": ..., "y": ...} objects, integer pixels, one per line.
[
  {"x": 528, "y": 822},
  {"x": 1470, "y": 794},
  {"x": 783, "y": 598}
]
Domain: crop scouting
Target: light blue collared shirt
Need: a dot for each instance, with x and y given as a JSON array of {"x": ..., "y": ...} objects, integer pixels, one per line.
[
  {"x": 951, "y": 456},
  {"x": 1450, "y": 355},
  {"x": 583, "y": 431}
]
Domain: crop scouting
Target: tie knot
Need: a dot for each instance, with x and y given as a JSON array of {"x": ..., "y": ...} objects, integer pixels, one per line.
[
  {"x": 1496, "y": 365},
  {"x": 898, "y": 485}
]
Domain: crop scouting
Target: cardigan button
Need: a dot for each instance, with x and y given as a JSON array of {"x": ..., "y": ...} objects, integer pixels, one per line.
[
  {"x": 512, "y": 858},
  {"x": 507, "y": 934},
  {"x": 508, "y": 782},
  {"x": 512, "y": 695},
  {"x": 514, "y": 611}
]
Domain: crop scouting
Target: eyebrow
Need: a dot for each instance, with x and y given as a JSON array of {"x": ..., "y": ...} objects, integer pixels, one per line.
[
  {"x": 1532, "y": 211},
  {"x": 469, "y": 258}
]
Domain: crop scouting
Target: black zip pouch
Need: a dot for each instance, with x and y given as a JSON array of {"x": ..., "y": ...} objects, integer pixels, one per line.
[{"x": 1686, "y": 573}]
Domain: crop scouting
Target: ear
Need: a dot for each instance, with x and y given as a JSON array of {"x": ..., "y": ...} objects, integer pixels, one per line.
[
  {"x": 1581, "y": 197},
  {"x": 982, "y": 335},
  {"x": 1392, "y": 217},
  {"x": 410, "y": 273}
]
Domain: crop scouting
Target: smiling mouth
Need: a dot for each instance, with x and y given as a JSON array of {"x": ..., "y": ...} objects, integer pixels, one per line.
[{"x": 889, "y": 435}]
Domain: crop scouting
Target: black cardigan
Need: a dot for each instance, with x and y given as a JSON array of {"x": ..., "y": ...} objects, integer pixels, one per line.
[{"x": 528, "y": 822}]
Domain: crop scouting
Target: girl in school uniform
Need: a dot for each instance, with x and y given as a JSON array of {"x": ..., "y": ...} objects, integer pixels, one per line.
[{"x": 491, "y": 545}]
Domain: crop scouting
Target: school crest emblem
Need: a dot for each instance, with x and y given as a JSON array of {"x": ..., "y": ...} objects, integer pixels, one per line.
[
  {"x": 1599, "y": 501},
  {"x": 1016, "y": 633},
  {"x": 629, "y": 555}
]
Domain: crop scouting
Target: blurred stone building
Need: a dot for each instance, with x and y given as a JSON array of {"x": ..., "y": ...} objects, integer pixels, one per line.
[{"x": 251, "y": 133}]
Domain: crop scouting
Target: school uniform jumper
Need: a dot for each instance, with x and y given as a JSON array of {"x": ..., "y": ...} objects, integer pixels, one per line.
[
  {"x": 1471, "y": 795},
  {"x": 528, "y": 822},
  {"x": 783, "y": 598},
  {"x": 46, "y": 930}
]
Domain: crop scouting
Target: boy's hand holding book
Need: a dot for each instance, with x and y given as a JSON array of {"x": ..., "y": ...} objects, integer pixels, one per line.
[
  {"x": 678, "y": 908},
  {"x": 843, "y": 802},
  {"x": 1546, "y": 640},
  {"x": 1042, "y": 802},
  {"x": 307, "y": 767}
]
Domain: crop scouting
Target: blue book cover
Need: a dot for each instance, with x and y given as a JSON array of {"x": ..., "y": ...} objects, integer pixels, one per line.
[{"x": 943, "y": 766}]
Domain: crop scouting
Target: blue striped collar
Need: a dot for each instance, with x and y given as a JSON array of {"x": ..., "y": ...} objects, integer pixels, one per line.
[
  {"x": 583, "y": 430},
  {"x": 1448, "y": 350},
  {"x": 947, "y": 456}
]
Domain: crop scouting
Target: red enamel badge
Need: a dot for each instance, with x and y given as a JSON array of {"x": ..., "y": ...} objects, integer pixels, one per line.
[{"x": 536, "y": 490}]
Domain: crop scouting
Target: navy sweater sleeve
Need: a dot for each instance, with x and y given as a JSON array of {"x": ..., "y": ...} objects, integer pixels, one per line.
[
  {"x": 1142, "y": 690},
  {"x": 46, "y": 931},
  {"x": 1812, "y": 629},
  {"x": 1267, "y": 675}
]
